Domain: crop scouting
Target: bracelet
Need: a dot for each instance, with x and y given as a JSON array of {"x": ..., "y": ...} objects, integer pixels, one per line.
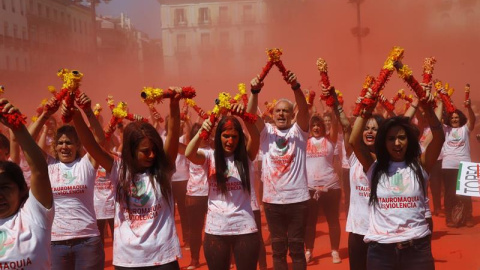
[
  {"x": 340, "y": 109},
  {"x": 255, "y": 91},
  {"x": 296, "y": 86},
  {"x": 415, "y": 107}
]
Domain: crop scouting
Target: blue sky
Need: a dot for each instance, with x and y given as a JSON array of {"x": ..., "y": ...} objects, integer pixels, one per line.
[{"x": 145, "y": 14}]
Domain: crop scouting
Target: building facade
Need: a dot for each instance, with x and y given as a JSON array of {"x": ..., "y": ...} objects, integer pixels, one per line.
[{"x": 195, "y": 33}]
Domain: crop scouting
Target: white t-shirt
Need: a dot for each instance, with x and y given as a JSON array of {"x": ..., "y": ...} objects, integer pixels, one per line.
[
  {"x": 456, "y": 147},
  {"x": 181, "y": 165},
  {"x": 229, "y": 214},
  {"x": 402, "y": 208},
  {"x": 72, "y": 186},
  {"x": 145, "y": 235},
  {"x": 284, "y": 173},
  {"x": 357, "y": 220},
  {"x": 320, "y": 171},
  {"x": 198, "y": 182},
  {"x": 104, "y": 197},
  {"x": 25, "y": 237}
]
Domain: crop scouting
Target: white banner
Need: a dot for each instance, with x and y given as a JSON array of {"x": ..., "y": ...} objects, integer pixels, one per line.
[{"x": 468, "y": 179}]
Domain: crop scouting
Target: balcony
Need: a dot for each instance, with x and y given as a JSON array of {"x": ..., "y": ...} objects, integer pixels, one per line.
[
  {"x": 204, "y": 22},
  {"x": 180, "y": 23}
]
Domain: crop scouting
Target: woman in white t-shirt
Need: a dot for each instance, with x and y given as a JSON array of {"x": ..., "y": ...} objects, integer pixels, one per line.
[
  {"x": 76, "y": 242},
  {"x": 145, "y": 233},
  {"x": 455, "y": 149},
  {"x": 399, "y": 219},
  {"x": 230, "y": 224},
  {"x": 26, "y": 217},
  {"x": 324, "y": 185}
]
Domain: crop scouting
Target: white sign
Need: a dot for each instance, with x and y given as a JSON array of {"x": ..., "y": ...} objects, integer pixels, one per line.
[{"x": 468, "y": 179}]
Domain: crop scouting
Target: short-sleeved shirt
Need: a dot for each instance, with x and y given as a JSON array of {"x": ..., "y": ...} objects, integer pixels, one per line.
[
  {"x": 284, "y": 172},
  {"x": 456, "y": 147},
  {"x": 230, "y": 213},
  {"x": 25, "y": 237},
  {"x": 145, "y": 233},
  {"x": 73, "y": 186},
  {"x": 402, "y": 208}
]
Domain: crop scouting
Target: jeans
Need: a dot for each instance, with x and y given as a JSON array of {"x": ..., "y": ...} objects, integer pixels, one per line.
[
  {"x": 262, "y": 256},
  {"x": 435, "y": 181},
  {"x": 87, "y": 254},
  {"x": 179, "y": 191},
  {"x": 169, "y": 266},
  {"x": 101, "y": 223},
  {"x": 450, "y": 182},
  {"x": 357, "y": 251},
  {"x": 218, "y": 248},
  {"x": 287, "y": 223},
  {"x": 346, "y": 189},
  {"x": 196, "y": 211},
  {"x": 418, "y": 256},
  {"x": 330, "y": 203}
]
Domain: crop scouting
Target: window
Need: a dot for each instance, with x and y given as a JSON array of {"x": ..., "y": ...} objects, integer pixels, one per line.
[
  {"x": 223, "y": 15},
  {"x": 13, "y": 6},
  {"x": 248, "y": 13},
  {"x": 203, "y": 16},
  {"x": 181, "y": 43},
  {"x": 15, "y": 31},
  {"x": 5, "y": 28},
  {"x": 205, "y": 40},
  {"x": 179, "y": 17},
  {"x": 22, "y": 12},
  {"x": 39, "y": 9},
  {"x": 4, "y": 6}
]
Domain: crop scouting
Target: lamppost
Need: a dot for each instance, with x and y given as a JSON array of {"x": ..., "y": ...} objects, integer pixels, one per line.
[{"x": 358, "y": 31}]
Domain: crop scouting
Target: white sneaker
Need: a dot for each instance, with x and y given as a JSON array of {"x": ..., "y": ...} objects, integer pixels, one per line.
[
  {"x": 308, "y": 255},
  {"x": 336, "y": 257}
]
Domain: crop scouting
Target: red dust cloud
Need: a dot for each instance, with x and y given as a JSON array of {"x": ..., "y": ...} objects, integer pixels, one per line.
[{"x": 305, "y": 30}]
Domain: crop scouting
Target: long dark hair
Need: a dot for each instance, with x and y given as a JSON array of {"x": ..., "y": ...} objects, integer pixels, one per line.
[
  {"x": 161, "y": 170},
  {"x": 412, "y": 155},
  {"x": 240, "y": 156},
  {"x": 14, "y": 173},
  {"x": 379, "y": 119}
]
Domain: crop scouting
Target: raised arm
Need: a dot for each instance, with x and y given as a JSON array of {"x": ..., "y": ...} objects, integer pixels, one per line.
[
  {"x": 253, "y": 144},
  {"x": 39, "y": 181},
  {"x": 255, "y": 87},
  {"x": 430, "y": 156},
  {"x": 360, "y": 149},
  {"x": 471, "y": 115},
  {"x": 412, "y": 109},
  {"x": 173, "y": 128},
  {"x": 191, "y": 152},
  {"x": 302, "y": 115},
  {"x": 344, "y": 122},
  {"x": 97, "y": 155}
]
